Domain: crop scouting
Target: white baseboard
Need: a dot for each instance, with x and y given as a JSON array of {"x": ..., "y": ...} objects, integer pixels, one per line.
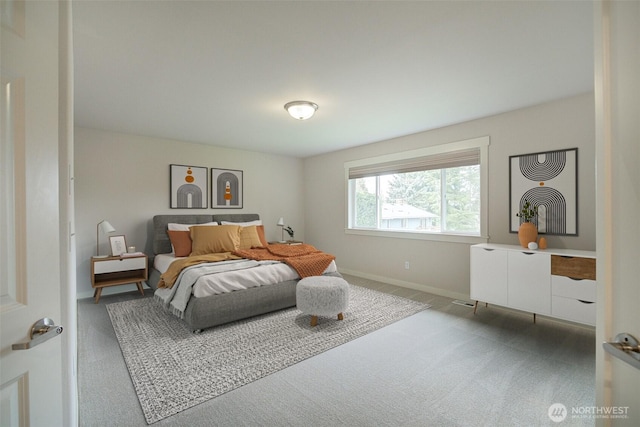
[
  {"x": 410, "y": 285},
  {"x": 452, "y": 295}
]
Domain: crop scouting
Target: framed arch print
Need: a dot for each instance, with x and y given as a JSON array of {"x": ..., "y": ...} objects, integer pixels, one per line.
[
  {"x": 548, "y": 180},
  {"x": 189, "y": 187},
  {"x": 226, "y": 189}
]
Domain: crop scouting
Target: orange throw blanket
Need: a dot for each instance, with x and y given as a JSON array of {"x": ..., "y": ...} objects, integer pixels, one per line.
[{"x": 305, "y": 259}]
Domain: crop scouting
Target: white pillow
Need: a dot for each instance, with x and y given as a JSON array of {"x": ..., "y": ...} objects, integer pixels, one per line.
[
  {"x": 185, "y": 227},
  {"x": 242, "y": 224}
]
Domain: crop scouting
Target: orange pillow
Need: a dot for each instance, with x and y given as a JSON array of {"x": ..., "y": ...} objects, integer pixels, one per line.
[
  {"x": 211, "y": 240},
  {"x": 181, "y": 242},
  {"x": 250, "y": 238}
]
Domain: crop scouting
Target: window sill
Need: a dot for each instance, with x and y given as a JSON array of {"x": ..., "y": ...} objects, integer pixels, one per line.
[{"x": 435, "y": 237}]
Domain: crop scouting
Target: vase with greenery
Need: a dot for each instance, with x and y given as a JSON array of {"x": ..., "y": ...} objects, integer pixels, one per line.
[
  {"x": 528, "y": 231},
  {"x": 289, "y": 231}
]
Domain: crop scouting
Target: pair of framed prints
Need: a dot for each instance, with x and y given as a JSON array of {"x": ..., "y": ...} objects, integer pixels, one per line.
[{"x": 189, "y": 187}]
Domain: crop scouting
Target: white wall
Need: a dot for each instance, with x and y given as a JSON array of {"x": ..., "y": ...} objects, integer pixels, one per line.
[
  {"x": 444, "y": 267},
  {"x": 125, "y": 180}
]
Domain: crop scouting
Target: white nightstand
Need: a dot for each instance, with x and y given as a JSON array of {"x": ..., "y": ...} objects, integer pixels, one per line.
[{"x": 114, "y": 271}]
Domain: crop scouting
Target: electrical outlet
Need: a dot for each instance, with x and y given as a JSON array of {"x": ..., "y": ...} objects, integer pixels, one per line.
[{"x": 406, "y": 265}]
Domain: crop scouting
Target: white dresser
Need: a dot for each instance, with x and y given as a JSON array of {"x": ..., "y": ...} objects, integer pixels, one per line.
[{"x": 554, "y": 282}]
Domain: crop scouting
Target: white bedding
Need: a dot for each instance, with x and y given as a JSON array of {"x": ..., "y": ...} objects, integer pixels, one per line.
[
  {"x": 266, "y": 273},
  {"x": 161, "y": 262}
]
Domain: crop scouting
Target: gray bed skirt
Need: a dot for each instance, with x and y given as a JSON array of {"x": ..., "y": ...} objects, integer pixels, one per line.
[{"x": 214, "y": 310}]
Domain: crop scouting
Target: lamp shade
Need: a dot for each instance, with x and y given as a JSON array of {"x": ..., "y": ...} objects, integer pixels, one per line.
[
  {"x": 301, "y": 110},
  {"x": 106, "y": 227},
  {"x": 280, "y": 222}
]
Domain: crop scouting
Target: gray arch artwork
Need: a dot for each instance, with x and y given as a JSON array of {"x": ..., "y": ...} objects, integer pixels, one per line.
[
  {"x": 189, "y": 196},
  {"x": 227, "y": 184},
  {"x": 226, "y": 187},
  {"x": 547, "y": 180},
  {"x": 188, "y": 187}
]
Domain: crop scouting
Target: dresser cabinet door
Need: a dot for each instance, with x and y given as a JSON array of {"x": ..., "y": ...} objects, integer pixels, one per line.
[
  {"x": 488, "y": 275},
  {"x": 529, "y": 281}
]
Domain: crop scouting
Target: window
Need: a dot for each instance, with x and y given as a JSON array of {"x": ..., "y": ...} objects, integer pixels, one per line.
[{"x": 434, "y": 193}]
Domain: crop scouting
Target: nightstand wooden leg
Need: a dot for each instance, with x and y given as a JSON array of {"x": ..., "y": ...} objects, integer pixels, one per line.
[
  {"x": 139, "y": 284},
  {"x": 314, "y": 320},
  {"x": 475, "y": 307},
  {"x": 96, "y": 294},
  {"x": 340, "y": 316}
]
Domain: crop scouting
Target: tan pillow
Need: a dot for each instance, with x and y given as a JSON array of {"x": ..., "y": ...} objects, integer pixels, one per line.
[
  {"x": 249, "y": 237},
  {"x": 263, "y": 239},
  {"x": 212, "y": 240},
  {"x": 181, "y": 242}
]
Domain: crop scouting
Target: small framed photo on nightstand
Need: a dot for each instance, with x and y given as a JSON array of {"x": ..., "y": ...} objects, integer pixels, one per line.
[{"x": 118, "y": 245}]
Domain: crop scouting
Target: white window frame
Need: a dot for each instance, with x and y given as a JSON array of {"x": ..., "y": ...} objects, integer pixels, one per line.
[{"x": 481, "y": 143}]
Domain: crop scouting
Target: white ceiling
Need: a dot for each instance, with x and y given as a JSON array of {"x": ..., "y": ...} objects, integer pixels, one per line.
[{"x": 219, "y": 73}]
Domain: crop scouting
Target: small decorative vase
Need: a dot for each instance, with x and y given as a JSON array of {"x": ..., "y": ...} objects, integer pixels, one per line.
[
  {"x": 543, "y": 243},
  {"x": 527, "y": 232}
]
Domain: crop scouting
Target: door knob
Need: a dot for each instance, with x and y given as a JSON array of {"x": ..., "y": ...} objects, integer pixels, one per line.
[
  {"x": 41, "y": 331},
  {"x": 626, "y": 348}
]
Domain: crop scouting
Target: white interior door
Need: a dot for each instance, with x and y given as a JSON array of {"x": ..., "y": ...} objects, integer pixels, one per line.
[
  {"x": 617, "y": 95},
  {"x": 30, "y": 273}
]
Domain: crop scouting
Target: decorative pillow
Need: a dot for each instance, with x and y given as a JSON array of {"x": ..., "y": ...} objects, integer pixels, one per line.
[
  {"x": 211, "y": 240},
  {"x": 249, "y": 237},
  {"x": 185, "y": 227},
  {"x": 243, "y": 224},
  {"x": 181, "y": 242},
  {"x": 263, "y": 240}
]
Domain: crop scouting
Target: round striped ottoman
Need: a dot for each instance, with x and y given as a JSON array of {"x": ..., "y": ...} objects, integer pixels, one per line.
[{"x": 322, "y": 296}]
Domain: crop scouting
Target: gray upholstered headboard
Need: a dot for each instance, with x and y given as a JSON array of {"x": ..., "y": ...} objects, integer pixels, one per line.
[{"x": 161, "y": 242}]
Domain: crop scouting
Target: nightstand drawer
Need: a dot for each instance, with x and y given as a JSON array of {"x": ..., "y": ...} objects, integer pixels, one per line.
[
  {"x": 574, "y": 310},
  {"x": 122, "y": 264},
  {"x": 580, "y": 289}
]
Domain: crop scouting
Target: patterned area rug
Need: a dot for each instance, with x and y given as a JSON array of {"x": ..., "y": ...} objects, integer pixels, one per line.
[{"x": 173, "y": 369}]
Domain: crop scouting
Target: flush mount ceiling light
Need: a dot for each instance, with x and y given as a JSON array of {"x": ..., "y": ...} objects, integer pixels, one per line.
[{"x": 301, "y": 110}]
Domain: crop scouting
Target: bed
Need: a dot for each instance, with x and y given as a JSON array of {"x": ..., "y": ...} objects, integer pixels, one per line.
[{"x": 215, "y": 307}]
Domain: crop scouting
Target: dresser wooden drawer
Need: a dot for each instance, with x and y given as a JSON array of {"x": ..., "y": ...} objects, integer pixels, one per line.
[
  {"x": 573, "y": 309},
  {"x": 576, "y": 267},
  {"x": 580, "y": 289},
  {"x": 121, "y": 264}
]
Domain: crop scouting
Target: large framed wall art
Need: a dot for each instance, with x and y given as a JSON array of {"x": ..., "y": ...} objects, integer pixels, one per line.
[
  {"x": 189, "y": 187},
  {"x": 226, "y": 189},
  {"x": 548, "y": 180}
]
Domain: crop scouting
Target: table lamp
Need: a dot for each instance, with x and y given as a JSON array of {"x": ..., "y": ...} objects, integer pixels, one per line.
[{"x": 105, "y": 227}]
